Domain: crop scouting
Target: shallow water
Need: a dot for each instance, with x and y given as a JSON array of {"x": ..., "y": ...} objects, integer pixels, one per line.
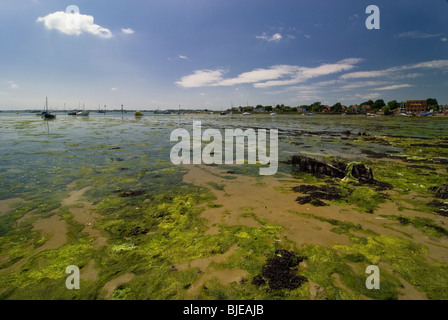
[
  {"x": 62, "y": 201},
  {"x": 39, "y": 155}
]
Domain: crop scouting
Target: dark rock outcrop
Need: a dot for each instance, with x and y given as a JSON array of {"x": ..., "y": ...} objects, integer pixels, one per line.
[
  {"x": 337, "y": 169},
  {"x": 281, "y": 272},
  {"x": 442, "y": 191}
]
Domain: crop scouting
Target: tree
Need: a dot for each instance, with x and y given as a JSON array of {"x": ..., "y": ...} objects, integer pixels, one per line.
[
  {"x": 259, "y": 106},
  {"x": 393, "y": 104},
  {"x": 316, "y": 107},
  {"x": 386, "y": 110},
  {"x": 378, "y": 104},
  {"x": 432, "y": 103},
  {"x": 337, "y": 107},
  {"x": 290, "y": 109},
  {"x": 367, "y": 103},
  {"x": 268, "y": 108}
]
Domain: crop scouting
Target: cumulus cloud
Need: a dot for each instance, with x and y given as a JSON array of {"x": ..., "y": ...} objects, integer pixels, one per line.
[
  {"x": 127, "y": 31},
  {"x": 74, "y": 24},
  {"x": 276, "y": 37},
  {"x": 182, "y": 57}
]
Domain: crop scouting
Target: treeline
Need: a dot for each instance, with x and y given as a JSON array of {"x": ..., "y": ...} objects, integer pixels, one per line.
[{"x": 366, "y": 106}]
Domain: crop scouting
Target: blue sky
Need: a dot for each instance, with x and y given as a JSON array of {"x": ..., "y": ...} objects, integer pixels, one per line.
[{"x": 212, "y": 53}]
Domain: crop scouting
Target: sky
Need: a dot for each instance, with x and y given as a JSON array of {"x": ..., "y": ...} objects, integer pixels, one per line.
[{"x": 214, "y": 54}]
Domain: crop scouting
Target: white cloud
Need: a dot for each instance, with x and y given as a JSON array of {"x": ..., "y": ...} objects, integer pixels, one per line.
[
  {"x": 369, "y": 96},
  {"x": 67, "y": 24},
  {"x": 258, "y": 75},
  {"x": 261, "y": 78},
  {"x": 362, "y": 84},
  {"x": 396, "y": 86},
  {"x": 303, "y": 73},
  {"x": 127, "y": 31},
  {"x": 418, "y": 35},
  {"x": 12, "y": 85},
  {"x": 182, "y": 57},
  {"x": 394, "y": 71},
  {"x": 114, "y": 89},
  {"x": 201, "y": 78},
  {"x": 275, "y": 37},
  {"x": 364, "y": 74},
  {"x": 443, "y": 39}
]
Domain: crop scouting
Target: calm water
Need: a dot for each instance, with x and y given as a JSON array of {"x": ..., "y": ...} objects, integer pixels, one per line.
[{"x": 40, "y": 156}]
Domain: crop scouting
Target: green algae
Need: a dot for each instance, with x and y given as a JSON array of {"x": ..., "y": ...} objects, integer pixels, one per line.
[
  {"x": 323, "y": 263},
  {"x": 44, "y": 273},
  {"x": 426, "y": 225},
  {"x": 406, "y": 178},
  {"x": 341, "y": 227},
  {"x": 148, "y": 234},
  {"x": 216, "y": 186},
  {"x": 365, "y": 199},
  {"x": 408, "y": 260}
]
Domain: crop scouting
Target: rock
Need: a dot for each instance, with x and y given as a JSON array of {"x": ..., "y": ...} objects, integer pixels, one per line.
[
  {"x": 317, "y": 167},
  {"x": 258, "y": 280},
  {"x": 138, "y": 231},
  {"x": 132, "y": 193},
  {"x": 337, "y": 169},
  {"x": 359, "y": 171},
  {"x": 441, "y": 208},
  {"x": 281, "y": 271},
  {"x": 311, "y": 200},
  {"x": 403, "y": 221},
  {"x": 442, "y": 191}
]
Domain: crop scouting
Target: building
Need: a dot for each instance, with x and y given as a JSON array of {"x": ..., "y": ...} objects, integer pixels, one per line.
[
  {"x": 416, "y": 106},
  {"x": 365, "y": 108},
  {"x": 326, "y": 108}
]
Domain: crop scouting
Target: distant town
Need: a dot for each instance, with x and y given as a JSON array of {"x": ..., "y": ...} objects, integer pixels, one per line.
[
  {"x": 429, "y": 106},
  {"x": 379, "y": 107}
]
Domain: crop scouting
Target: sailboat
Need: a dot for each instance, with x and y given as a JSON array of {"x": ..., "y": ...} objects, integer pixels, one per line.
[
  {"x": 84, "y": 112},
  {"x": 46, "y": 114}
]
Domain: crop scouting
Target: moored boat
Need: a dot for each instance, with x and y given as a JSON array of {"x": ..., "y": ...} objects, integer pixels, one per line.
[{"x": 47, "y": 115}]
